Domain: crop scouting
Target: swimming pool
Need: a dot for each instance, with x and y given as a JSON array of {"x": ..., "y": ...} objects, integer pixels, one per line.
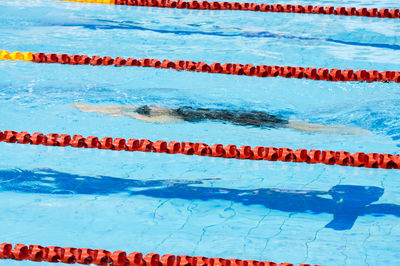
[{"x": 177, "y": 204}]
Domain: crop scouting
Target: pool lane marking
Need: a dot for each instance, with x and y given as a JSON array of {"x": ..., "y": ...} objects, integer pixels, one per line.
[
  {"x": 72, "y": 255},
  {"x": 216, "y": 68},
  {"x": 5, "y": 55},
  {"x": 255, "y": 7},
  {"x": 245, "y": 152}
]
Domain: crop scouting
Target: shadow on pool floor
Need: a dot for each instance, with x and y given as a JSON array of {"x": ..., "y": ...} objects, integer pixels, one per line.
[{"x": 345, "y": 202}]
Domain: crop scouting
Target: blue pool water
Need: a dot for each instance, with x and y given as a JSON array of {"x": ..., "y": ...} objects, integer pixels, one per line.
[{"x": 178, "y": 204}]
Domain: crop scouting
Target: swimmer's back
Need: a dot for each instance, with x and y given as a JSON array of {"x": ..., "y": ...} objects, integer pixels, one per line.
[{"x": 246, "y": 118}]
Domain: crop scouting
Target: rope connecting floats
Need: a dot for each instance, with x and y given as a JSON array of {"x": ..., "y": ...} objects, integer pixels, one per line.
[
  {"x": 358, "y": 159},
  {"x": 278, "y": 8},
  {"x": 118, "y": 258},
  {"x": 227, "y": 68}
]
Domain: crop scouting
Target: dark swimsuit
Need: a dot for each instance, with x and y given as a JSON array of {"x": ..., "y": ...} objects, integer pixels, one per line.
[{"x": 246, "y": 118}]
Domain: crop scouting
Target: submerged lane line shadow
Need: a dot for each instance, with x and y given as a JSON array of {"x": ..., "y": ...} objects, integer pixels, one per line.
[
  {"x": 105, "y": 24},
  {"x": 345, "y": 202}
]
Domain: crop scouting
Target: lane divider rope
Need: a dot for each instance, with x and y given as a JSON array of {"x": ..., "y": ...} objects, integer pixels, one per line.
[
  {"x": 220, "y": 68},
  {"x": 358, "y": 159},
  {"x": 278, "y": 8},
  {"x": 118, "y": 258}
]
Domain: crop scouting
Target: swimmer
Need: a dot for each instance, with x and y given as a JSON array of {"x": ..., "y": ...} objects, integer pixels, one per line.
[{"x": 158, "y": 114}]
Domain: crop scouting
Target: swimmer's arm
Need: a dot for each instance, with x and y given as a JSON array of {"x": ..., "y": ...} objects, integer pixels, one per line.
[
  {"x": 120, "y": 111},
  {"x": 107, "y": 110},
  {"x": 309, "y": 127},
  {"x": 154, "y": 119}
]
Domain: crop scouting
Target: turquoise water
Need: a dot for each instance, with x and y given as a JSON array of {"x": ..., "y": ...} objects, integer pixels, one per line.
[{"x": 178, "y": 204}]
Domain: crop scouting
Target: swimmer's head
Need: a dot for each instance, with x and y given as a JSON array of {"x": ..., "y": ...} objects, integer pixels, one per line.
[
  {"x": 143, "y": 110},
  {"x": 153, "y": 110}
]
